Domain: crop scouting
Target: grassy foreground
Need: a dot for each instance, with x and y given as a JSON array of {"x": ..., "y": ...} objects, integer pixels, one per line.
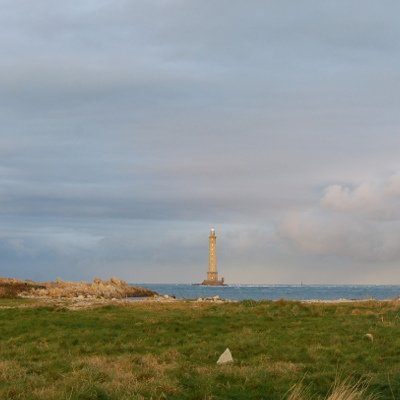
[{"x": 169, "y": 350}]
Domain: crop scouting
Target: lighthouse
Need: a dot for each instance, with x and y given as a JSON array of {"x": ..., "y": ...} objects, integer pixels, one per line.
[{"x": 212, "y": 273}]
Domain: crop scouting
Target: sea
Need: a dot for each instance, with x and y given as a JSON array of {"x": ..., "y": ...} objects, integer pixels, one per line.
[{"x": 275, "y": 292}]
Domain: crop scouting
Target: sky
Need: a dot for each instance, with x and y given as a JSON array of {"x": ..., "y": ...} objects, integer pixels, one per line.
[{"x": 129, "y": 128}]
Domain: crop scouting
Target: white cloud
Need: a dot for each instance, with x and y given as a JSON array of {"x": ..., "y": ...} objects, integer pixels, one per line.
[
  {"x": 363, "y": 197},
  {"x": 377, "y": 200},
  {"x": 360, "y": 223}
]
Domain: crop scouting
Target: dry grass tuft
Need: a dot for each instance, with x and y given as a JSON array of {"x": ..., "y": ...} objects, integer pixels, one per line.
[
  {"x": 342, "y": 390},
  {"x": 299, "y": 392},
  {"x": 279, "y": 368},
  {"x": 127, "y": 374},
  {"x": 50, "y": 392},
  {"x": 283, "y": 367},
  {"x": 11, "y": 370}
]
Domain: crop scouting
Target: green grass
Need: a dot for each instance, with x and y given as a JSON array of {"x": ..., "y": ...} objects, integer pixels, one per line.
[
  {"x": 12, "y": 302},
  {"x": 169, "y": 350}
]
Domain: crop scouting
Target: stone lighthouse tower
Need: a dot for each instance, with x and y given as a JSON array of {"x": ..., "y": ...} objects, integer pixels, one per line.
[{"x": 212, "y": 273}]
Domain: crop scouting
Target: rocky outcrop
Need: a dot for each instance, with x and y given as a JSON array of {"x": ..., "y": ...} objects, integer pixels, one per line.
[
  {"x": 11, "y": 287},
  {"x": 98, "y": 289}
]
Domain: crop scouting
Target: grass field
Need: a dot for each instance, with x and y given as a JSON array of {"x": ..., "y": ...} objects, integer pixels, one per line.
[{"x": 169, "y": 350}]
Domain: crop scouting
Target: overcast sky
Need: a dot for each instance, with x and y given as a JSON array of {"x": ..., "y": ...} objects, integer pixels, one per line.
[{"x": 130, "y": 128}]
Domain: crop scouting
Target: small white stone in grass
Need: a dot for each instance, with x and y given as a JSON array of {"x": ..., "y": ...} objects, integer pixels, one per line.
[
  {"x": 369, "y": 336},
  {"x": 225, "y": 357}
]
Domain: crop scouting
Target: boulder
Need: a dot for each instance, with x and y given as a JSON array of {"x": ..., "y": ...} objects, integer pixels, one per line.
[{"x": 225, "y": 357}]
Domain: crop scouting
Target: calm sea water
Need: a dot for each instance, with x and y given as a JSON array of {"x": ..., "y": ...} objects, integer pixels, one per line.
[{"x": 274, "y": 292}]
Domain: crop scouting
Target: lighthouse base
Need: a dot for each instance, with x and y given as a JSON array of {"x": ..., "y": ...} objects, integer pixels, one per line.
[{"x": 207, "y": 282}]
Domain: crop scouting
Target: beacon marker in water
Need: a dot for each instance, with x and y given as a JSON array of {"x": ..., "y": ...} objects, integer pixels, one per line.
[{"x": 225, "y": 357}]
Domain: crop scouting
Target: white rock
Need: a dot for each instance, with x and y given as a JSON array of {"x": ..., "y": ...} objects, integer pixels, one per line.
[
  {"x": 225, "y": 357},
  {"x": 369, "y": 336}
]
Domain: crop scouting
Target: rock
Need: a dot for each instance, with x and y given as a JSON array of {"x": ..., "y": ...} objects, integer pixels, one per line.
[
  {"x": 166, "y": 296},
  {"x": 200, "y": 299},
  {"x": 225, "y": 357},
  {"x": 215, "y": 297},
  {"x": 369, "y": 336}
]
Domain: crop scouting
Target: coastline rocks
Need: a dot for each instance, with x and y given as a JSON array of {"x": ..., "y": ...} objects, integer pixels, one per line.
[
  {"x": 164, "y": 298},
  {"x": 98, "y": 289},
  {"x": 11, "y": 287},
  {"x": 213, "y": 299}
]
